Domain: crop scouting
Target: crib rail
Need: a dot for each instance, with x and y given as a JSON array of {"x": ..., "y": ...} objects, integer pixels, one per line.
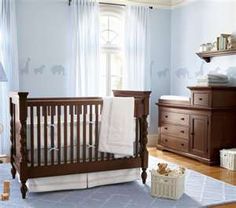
[
  {"x": 66, "y": 131},
  {"x": 57, "y": 136}
]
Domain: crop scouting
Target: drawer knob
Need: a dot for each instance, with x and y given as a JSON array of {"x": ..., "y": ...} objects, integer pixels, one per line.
[
  {"x": 166, "y": 128},
  {"x": 182, "y": 119},
  {"x": 182, "y": 144},
  {"x": 166, "y": 140},
  {"x": 192, "y": 134},
  {"x": 200, "y": 98},
  {"x": 182, "y": 132},
  {"x": 166, "y": 116}
]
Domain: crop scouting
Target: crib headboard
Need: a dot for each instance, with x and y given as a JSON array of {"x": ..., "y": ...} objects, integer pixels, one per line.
[{"x": 141, "y": 100}]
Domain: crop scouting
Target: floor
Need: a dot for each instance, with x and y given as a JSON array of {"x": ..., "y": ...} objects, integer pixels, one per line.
[
  {"x": 96, "y": 195},
  {"x": 200, "y": 190},
  {"x": 212, "y": 171}
]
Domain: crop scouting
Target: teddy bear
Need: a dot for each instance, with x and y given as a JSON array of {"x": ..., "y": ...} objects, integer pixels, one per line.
[{"x": 162, "y": 169}]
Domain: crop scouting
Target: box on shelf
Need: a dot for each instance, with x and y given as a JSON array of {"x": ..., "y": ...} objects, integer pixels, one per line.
[
  {"x": 228, "y": 159},
  {"x": 171, "y": 187}
]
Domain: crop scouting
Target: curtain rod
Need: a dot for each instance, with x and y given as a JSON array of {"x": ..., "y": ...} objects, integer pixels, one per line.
[{"x": 114, "y": 4}]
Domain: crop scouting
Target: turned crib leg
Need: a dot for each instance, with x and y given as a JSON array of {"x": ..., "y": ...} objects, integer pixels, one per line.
[
  {"x": 144, "y": 152},
  {"x": 13, "y": 172},
  {"x": 144, "y": 175},
  {"x": 23, "y": 189}
]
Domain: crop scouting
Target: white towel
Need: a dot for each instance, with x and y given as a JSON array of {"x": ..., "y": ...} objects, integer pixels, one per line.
[
  {"x": 220, "y": 78},
  {"x": 117, "y": 126}
]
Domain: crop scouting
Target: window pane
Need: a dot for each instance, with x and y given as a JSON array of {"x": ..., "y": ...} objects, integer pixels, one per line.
[
  {"x": 111, "y": 31},
  {"x": 116, "y": 71},
  {"x": 103, "y": 63}
]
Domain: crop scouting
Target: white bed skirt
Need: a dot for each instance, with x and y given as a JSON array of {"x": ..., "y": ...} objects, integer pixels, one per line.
[{"x": 82, "y": 181}]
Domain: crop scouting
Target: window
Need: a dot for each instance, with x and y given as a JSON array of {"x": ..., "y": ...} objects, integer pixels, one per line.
[{"x": 111, "y": 39}]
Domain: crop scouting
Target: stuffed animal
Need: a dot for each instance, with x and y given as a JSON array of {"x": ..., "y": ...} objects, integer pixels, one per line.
[
  {"x": 162, "y": 169},
  {"x": 181, "y": 170}
]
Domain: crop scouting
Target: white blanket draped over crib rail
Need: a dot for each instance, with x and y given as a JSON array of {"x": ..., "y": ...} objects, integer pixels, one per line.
[{"x": 117, "y": 126}]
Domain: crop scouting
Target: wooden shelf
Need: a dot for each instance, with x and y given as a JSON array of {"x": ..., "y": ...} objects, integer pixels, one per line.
[{"x": 209, "y": 54}]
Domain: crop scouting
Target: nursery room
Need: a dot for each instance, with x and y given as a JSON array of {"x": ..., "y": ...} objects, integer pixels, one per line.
[{"x": 117, "y": 103}]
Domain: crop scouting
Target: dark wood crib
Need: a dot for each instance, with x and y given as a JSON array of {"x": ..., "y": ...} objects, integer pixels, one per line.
[{"x": 59, "y": 136}]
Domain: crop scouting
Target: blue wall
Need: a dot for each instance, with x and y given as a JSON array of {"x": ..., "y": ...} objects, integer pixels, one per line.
[
  {"x": 176, "y": 35},
  {"x": 43, "y": 47},
  {"x": 160, "y": 59},
  {"x": 197, "y": 22}
]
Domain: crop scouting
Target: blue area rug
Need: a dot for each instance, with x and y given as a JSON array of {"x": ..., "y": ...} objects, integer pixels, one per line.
[{"x": 200, "y": 190}]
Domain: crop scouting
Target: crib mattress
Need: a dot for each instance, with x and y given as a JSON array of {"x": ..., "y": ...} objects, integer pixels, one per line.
[
  {"x": 52, "y": 134},
  {"x": 62, "y": 155},
  {"x": 82, "y": 181}
]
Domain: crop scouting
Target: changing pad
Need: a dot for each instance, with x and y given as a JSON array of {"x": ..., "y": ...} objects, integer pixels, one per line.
[{"x": 174, "y": 97}]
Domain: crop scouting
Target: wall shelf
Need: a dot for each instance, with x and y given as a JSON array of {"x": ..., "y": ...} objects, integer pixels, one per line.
[{"x": 209, "y": 54}]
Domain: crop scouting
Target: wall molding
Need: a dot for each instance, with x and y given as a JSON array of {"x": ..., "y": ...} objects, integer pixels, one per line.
[
  {"x": 158, "y": 4},
  {"x": 152, "y": 140}
]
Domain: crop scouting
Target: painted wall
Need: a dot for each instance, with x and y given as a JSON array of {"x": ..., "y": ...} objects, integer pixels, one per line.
[
  {"x": 160, "y": 35},
  {"x": 197, "y": 22},
  {"x": 175, "y": 37},
  {"x": 44, "y": 50},
  {"x": 43, "y": 46}
]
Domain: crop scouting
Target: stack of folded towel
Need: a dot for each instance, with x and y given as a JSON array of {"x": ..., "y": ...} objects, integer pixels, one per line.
[{"x": 213, "y": 80}]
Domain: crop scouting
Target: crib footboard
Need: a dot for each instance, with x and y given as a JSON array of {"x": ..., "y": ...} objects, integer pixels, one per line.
[
  {"x": 141, "y": 111},
  {"x": 59, "y": 136}
]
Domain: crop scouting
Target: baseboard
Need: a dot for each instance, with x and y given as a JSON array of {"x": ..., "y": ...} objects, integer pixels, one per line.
[
  {"x": 4, "y": 158},
  {"x": 152, "y": 140}
]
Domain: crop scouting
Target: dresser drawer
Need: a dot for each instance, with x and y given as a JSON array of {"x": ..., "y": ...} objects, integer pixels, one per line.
[
  {"x": 174, "y": 118},
  {"x": 176, "y": 131},
  {"x": 173, "y": 143},
  {"x": 201, "y": 99}
]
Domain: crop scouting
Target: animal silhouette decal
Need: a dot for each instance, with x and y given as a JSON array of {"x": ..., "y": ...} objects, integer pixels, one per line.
[
  {"x": 200, "y": 72},
  {"x": 182, "y": 73},
  {"x": 58, "y": 69},
  {"x": 39, "y": 70},
  {"x": 55, "y": 69},
  {"x": 163, "y": 73},
  {"x": 25, "y": 69}
]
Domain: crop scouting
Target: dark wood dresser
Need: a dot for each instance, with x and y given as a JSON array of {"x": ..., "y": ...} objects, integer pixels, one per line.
[{"x": 199, "y": 128}]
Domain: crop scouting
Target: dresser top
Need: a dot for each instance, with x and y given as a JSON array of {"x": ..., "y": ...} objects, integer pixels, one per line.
[{"x": 212, "y": 87}]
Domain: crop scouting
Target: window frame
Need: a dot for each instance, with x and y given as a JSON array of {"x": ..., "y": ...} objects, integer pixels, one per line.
[{"x": 108, "y": 51}]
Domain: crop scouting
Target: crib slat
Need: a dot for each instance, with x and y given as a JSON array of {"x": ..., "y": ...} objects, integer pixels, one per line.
[
  {"x": 32, "y": 135},
  {"x": 96, "y": 132},
  {"x": 108, "y": 156},
  {"x": 45, "y": 135},
  {"x": 71, "y": 133},
  {"x": 136, "y": 136},
  {"x": 59, "y": 133},
  {"x": 14, "y": 128},
  {"x": 52, "y": 134},
  {"x": 65, "y": 134},
  {"x": 78, "y": 132},
  {"x": 39, "y": 135},
  {"x": 102, "y": 153},
  {"x": 84, "y": 132},
  {"x": 90, "y": 132}
]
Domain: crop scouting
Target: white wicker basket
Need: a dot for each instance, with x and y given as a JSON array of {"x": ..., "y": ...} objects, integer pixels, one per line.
[
  {"x": 167, "y": 186},
  {"x": 228, "y": 158}
]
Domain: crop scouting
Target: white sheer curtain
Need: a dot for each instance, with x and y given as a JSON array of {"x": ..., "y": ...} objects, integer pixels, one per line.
[
  {"x": 84, "y": 72},
  {"x": 137, "y": 62},
  {"x": 9, "y": 60}
]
